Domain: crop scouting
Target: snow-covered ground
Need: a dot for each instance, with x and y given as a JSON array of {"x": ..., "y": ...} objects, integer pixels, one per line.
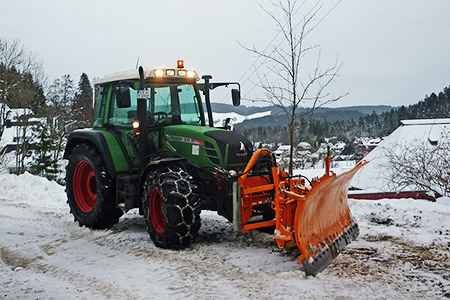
[{"x": 402, "y": 253}]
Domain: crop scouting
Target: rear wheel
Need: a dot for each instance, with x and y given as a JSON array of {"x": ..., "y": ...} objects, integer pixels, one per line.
[
  {"x": 90, "y": 189},
  {"x": 171, "y": 207}
]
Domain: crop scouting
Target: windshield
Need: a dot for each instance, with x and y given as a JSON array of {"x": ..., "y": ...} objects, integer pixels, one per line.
[
  {"x": 168, "y": 104},
  {"x": 174, "y": 104}
]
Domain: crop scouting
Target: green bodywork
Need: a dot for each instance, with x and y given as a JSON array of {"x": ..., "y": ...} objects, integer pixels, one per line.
[
  {"x": 190, "y": 142},
  {"x": 186, "y": 140},
  {"x": 120, "y": 159}
]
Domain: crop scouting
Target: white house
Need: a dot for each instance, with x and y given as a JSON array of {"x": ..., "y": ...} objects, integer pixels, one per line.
[{"x": 373, "y": 180}]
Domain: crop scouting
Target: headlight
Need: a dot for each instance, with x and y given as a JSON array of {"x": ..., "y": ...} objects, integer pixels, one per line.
[{"x": 190, "y": 74}]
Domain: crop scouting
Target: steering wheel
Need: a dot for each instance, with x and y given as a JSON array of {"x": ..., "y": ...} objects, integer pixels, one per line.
[{"x": 160, "y": 115}]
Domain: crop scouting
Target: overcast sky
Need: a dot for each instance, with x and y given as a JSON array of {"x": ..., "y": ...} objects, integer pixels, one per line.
[{"x": 393, "y": 52}]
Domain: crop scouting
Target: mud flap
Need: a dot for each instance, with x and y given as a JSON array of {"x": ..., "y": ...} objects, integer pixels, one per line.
[{"x": 323, "y": 224}]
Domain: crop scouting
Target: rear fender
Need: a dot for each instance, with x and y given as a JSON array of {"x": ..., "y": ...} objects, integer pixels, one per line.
[{"x": 115, "y": 162}]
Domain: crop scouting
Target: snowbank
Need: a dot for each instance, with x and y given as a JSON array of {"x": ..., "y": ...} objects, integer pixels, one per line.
[
  {"x": 443, "y": 201},
  {"x": 418, "y": 221},
  {"x": 27, "y": 188}
]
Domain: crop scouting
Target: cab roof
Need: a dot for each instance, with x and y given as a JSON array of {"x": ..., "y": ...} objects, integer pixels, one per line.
[{"x": 148, "y": 74}]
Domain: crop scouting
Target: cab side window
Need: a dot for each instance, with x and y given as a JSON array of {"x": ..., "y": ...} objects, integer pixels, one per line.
[
  {"x": 100, "y": 104},
  {"x": 122, "y": 116}
]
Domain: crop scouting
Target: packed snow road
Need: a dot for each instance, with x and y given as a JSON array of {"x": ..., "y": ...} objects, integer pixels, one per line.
[{"x": 402, "y": 253}]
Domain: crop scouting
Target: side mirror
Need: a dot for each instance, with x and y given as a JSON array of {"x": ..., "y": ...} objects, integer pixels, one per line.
[
  {"x": 123, "y": 97},
  {"x": 236, "y": 96}
]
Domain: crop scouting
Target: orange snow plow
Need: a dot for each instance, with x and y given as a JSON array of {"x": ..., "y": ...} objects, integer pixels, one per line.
[{"x": 315, "y": 218}]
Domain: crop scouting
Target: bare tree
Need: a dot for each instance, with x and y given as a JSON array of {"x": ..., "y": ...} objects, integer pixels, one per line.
[
  {"x": 60, "y": 98},
  {"x": 22, "y": 82},
  {"x": 13, "y": 54},
  {"x": 22, "y": 78},
  {"x": 425, "y": 166},
  {"x": 286, "y": 81}
]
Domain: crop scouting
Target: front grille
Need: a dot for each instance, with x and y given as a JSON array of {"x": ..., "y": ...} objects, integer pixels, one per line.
[{"x": 212, "y": 153}]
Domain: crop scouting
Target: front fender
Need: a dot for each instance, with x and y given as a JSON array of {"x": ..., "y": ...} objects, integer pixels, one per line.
[{"x": 156, "y": 164}]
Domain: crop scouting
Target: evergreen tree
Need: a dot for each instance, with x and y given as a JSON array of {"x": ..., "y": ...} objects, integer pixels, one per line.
[
  {"x": 44, "y": 162},
  {"x": 82, "y": 109},
  {"x": 349, "y": 148}
]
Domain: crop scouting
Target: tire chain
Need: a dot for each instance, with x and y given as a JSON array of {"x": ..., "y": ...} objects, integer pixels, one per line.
[{"x": 182, "y": 208}]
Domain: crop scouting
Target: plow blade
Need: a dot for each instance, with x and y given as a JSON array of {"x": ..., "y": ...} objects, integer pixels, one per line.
[{"x": 323, "y": 225}]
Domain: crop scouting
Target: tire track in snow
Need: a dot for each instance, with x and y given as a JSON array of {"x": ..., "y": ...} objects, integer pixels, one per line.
[
  {"x": 18, "y": 261},
  {"x": 211, "y": 269}
]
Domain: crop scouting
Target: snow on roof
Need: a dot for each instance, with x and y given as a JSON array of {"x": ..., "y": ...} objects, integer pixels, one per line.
[
  {"x": 8, "y": 136},
  {"x": 284, "y": 147},
  {"x": 304, "y": 145},
  {"x": 338, "y": 145},
  {"x": 425, "y": 121},
  {"x": 374, "y": 177}
]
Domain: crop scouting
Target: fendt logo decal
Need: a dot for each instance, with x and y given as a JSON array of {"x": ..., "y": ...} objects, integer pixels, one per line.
[
  {"x": 184, "y": 139},
  {"x": 242, "y": 147},
  {"x": 242, "y": 151}
]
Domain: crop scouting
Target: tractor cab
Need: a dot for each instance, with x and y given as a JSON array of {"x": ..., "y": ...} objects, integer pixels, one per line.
[{"x": 161, "y": 110}]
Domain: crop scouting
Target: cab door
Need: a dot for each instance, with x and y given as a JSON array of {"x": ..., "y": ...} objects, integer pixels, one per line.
[{"x": 120, "y": 123}]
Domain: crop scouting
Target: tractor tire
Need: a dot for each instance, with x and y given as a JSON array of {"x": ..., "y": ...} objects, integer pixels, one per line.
[
  {"x": 90, "y": 189},
  {"x": 171, "y": 207}
]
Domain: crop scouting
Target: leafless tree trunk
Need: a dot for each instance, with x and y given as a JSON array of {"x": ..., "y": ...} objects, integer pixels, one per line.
[
  {"x": 423, "y": 166},
  {"x": 286, "y": 81}
]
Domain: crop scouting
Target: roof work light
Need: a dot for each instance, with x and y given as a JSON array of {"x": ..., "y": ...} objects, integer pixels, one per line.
[{"x": 159, "y": 73}]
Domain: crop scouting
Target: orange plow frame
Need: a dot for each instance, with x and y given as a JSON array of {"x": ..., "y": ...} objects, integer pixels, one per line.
[{"x": 316, "y": 219}]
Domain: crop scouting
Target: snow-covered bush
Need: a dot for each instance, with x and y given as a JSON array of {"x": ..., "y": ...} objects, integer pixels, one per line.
[{"x": 422, "y": 165}]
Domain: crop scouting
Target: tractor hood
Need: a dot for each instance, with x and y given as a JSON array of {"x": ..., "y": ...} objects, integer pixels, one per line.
[
  {"x": 207, "y": 146},
  {"x": 240, "y": 149}
]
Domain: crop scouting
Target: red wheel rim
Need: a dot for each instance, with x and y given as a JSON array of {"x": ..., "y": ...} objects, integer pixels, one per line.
[
  {"x": 84, "y": 186},
  {"x": 155, "y": 210}
]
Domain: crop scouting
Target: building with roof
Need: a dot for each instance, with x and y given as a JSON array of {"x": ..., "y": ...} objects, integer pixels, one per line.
[{"x": 373, "y": 181}]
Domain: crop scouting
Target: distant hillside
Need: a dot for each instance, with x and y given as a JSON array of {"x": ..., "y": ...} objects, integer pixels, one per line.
[
  {"x": 249, "y": 110},
  {"x": 346, "y": 123},
  {"x": 367, "y": 110},
  {"x": 277, "y": 116}
]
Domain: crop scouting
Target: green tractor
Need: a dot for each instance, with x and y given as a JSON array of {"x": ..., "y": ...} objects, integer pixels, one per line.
[{"x": 152, "y": 148}]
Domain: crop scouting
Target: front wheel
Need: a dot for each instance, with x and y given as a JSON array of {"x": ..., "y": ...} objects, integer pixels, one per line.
[{"x": 171, "y": 207}]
